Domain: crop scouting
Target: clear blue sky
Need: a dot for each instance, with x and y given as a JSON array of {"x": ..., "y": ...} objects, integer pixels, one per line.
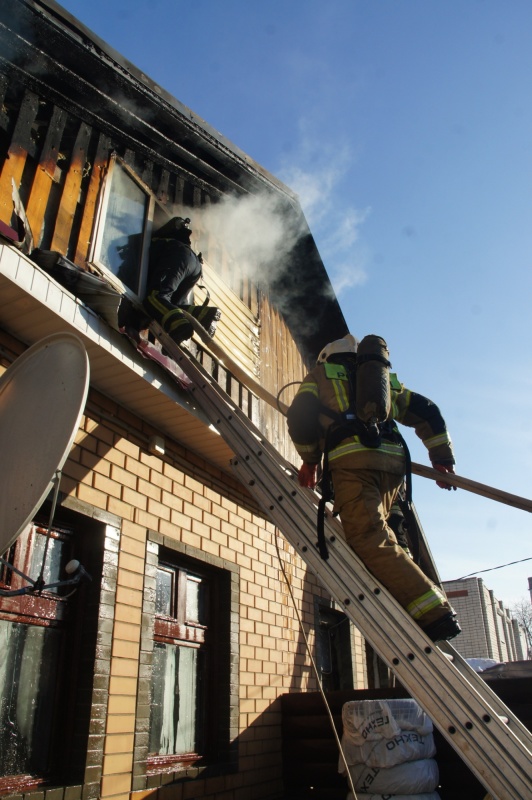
[{"x": 405, "y": 126}]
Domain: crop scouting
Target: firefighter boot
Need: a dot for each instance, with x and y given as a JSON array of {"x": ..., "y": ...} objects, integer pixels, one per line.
[
  {"x": 177, "y": 326},
  {"x": 207, "y": 316},
  {"x": 443, "y": 629}
]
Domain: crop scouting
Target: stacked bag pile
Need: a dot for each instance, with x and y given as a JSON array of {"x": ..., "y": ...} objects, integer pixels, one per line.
[{"x": 389, "y": 747}]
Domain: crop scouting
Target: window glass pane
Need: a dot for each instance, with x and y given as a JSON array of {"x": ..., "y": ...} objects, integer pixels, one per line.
[
  {"x": 164, "y": 592},
  {"x": 29, "y": 658},
  {"x": 176, "y": 684},
  {"x": 121, "y": 247},
  {"x": 54, "y": 558},
  {"x": 196, "y": 600}
]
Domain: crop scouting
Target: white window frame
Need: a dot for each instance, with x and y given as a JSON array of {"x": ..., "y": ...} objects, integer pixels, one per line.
[{"x": 95, "y": 255}]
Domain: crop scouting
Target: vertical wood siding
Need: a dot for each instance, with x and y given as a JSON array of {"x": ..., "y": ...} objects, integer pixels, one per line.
[{"x": 57, "y": 163}]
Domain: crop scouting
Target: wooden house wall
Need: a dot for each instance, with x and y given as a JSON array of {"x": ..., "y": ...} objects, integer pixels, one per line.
[
  {"x": 282, "y": 369},
  {"x": 57, "y": 162}
]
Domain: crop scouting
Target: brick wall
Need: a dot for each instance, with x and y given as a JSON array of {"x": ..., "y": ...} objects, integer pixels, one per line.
[{"x": 181, "y": 501}]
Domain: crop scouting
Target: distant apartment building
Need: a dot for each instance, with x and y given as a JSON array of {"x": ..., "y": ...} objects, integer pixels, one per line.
[{"x": 488, "y": 629}]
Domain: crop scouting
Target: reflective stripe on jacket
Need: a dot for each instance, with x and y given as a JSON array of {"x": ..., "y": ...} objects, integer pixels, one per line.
[{"x": 327, "y": 387}]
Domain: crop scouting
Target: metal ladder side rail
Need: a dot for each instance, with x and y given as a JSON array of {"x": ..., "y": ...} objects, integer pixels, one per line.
[
  {"x": 303, "y": 508},
  {"x": 281, "y": 471},
  {"x": 361, "y": 584},
  {"x": 461, "y": 665},
  {"x": 223, "y": 405},
  {"x": 224, "y": 414},
  {"x": 472, "y": 721}
]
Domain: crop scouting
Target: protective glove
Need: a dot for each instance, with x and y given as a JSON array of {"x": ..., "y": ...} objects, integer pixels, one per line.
[
  {"x": 307, "y": 475},
  {"x": 441, "y": 484}
]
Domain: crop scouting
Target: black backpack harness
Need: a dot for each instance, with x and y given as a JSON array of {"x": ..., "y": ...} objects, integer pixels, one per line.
[{"x": 344, "y": 425}]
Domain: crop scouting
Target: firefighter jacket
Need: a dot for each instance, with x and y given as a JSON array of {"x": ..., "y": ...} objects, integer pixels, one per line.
[
  {"x": 326, "y": 390},
  {"x": 174, "y": 270}
]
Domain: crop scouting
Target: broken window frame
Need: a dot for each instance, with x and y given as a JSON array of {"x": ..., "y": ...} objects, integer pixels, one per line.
[
  {"x": 40, "y": 619},
  {"x": 73, "y": 616},
  {"x": 116, "y": 166}
]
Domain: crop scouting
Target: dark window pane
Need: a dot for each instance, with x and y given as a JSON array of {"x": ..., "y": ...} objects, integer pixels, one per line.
[
  {"x": 29, "y": 657},
  {"x": 6, "y": 573}
]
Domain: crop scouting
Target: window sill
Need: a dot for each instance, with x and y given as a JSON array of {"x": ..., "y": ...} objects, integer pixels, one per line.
[
  {"x": 163, "y": 765},
  {"x": 17, "y": 784}
]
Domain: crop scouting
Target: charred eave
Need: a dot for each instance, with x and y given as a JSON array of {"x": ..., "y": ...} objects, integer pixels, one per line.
[
  {"x": 306, "y": 297},
  {"x": 31, "y": 40}
]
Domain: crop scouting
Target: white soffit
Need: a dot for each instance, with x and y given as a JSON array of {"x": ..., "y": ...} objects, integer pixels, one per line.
[{"x": 33, "y": 305}]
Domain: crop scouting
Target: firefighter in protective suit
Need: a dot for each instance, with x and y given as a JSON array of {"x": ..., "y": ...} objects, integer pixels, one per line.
[
  {"x": 367, "y": 473},
  {"x": 174, "y": 270}
]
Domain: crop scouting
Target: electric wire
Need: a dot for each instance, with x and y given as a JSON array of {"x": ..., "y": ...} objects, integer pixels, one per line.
[
  {"x": 315, "y": 669},
  {"x": 490, "y": 569}
]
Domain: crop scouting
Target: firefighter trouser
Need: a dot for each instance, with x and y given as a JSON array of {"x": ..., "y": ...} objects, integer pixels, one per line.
[
  {"x": 170, "y": 317},
  {"x": 363, "y": 498}
]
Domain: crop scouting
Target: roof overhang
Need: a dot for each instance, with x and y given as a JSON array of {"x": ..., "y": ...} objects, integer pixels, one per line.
[
  {"x": 45, "y": 48},
  {"x": 33, "y": 305}
]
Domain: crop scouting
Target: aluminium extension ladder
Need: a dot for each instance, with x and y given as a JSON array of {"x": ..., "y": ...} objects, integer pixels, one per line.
[{"x": 494, "y": 744}]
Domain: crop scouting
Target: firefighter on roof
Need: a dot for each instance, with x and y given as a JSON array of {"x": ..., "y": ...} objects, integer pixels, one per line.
[
  {"x": 174, "y": 270},
  {"x": 346, "y": 407}
]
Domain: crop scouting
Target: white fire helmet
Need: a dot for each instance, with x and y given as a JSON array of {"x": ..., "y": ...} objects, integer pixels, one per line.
[{"x": 346, "y": 345}]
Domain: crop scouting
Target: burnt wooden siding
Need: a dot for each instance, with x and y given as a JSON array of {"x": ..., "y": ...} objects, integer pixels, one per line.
[
  {"x": 310, "y": 750},
  {"x": 57, "y": 161}
]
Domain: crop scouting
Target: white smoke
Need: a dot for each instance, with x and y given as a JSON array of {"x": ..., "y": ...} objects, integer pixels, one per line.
[
  {"x": 342, "y": 249},
  {"x": 258, "y": 232},
  {"x": 255, "y": 231},
  {"x": 316, "y": 179}
]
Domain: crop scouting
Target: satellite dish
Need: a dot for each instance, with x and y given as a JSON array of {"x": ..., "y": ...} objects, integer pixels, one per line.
[{"x": 42, "y": 397}]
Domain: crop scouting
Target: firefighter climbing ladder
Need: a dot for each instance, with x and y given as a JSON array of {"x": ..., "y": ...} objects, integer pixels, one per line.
[{"x": 489, "y": 738}]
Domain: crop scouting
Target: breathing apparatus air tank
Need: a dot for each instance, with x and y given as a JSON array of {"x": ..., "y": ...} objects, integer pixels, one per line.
[{"x": 373, "y": 397}]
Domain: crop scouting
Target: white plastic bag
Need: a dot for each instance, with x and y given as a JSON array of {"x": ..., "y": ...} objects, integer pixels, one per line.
[
  {"x": 405, "y": 746},
  {"x": 371, "y": 720},
  {"x": 414, "y": 777},
  {"x": 368, "y": 721}
]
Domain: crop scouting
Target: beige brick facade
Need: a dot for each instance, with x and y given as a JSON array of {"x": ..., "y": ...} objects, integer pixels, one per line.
[{"x": 202, "y": 509}]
